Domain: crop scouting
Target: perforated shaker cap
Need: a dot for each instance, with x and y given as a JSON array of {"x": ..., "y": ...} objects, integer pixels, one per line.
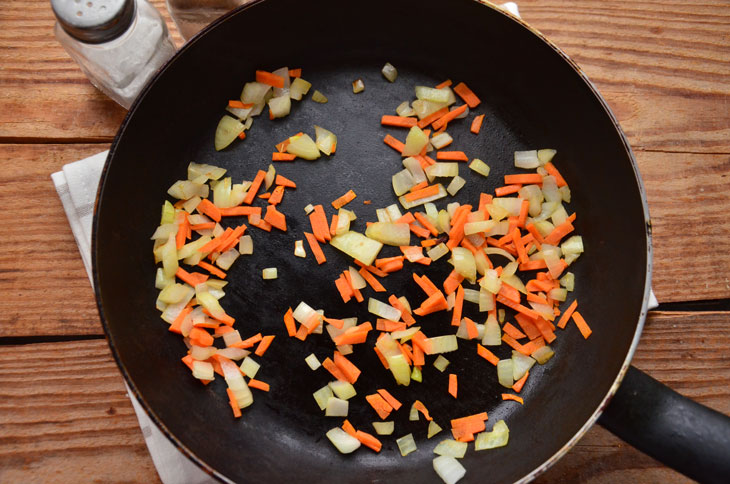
[{"x": 94, "y": 21}]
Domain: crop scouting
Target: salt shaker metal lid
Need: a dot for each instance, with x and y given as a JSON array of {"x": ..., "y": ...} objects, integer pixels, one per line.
[{"x": 94, "y": 21}]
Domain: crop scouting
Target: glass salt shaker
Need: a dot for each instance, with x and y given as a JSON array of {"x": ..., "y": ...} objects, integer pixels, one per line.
[
  {"x": 190, "y": 16},
  {"x": 119, "y": 44}
]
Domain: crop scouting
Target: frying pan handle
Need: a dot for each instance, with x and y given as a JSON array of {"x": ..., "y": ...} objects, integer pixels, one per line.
[{"x": 681, "y": 433}]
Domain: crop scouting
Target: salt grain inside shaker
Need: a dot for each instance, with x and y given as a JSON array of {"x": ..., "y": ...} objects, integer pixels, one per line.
[{"x": 119, "y": 44}]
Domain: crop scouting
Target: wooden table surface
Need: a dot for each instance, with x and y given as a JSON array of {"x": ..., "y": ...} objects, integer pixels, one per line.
[{"x": 662, "y": 65}]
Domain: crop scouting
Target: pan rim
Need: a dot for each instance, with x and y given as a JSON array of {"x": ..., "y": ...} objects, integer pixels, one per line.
[{"x": 187, "y": 452}]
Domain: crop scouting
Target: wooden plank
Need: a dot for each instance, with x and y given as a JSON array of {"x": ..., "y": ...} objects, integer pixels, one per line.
[
  {"x": 41, "y": 273},
  {"x": 661, "y": 65},
  {"x": 65, "y": 416}
]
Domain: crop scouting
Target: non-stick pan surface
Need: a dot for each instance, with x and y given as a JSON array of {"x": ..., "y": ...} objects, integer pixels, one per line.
[{"x": 533, "y": 97}]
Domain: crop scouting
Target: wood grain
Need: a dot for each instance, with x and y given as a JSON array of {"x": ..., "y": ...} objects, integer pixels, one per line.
[
  {"x": 662, "y": 66},
  {"x": 64, "y": 416}
]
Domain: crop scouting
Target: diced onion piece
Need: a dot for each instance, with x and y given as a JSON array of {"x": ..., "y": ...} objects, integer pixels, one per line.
[
  {"x": 383, "y": 310},
  {"x": 322, "y": 396},
  {"x": 565, "y": 193},
  {"x": 186, "y": 189},
  {"x": 234, "y": 354},
  {"x": 498, "y": 437},
  {"x": 227, "y": 258},
  {"x": 478, "y": 227},
  {"x": 433, "y": 428},
  {"x": 443, "y": 221},
  {"x": 416, "y": 374},
  {"x": 415, "y": 141},
  {"x": 448, "y": 469},
  {"x": 174, "y": 293},
  {"x": 358, "y": 282},
  {"x": 413, "y": 415},
  {"x": 343, "y": 441},
  {"x": 299, "y": 88},
  {"x": 471, "y": 295},
  {"x": 405, "y": 334},
  {"x": 397, "y": 363},
  {"x": 480, "y": 167},
  {"x": 527, "y": 159},
  {"x": 343, "y": 222},
  {"x": 168, "y": 256},
  {"x": 326, "y": 140},
  {"x": 270, "y": 273},
  {"x": 270, "y": 176},
  {"x": 304, "y": 147},
  {"x": 511, "y": 204},
  {"x": 389, "y": 72},
  {"x": 382, "y": 215},
  {"x": 558, "y": 294},
  {"x": 245, "y": 246},
  {"x": 312, "y": 361},
  {"x": 492, "y": 332},
  {"x": 231, "y": 337},
  {"x": 457, "y": 183},
  {"x": 384, "y": 428},
  {"x": 308, "y": 208},
  {"x": 415, "y": 169},
  {"x": 342, "y": 389},
  {"x": 406, "y": 444},
  {"x": 358, "y": 86},
  {"x": 254, "y": 92},
  {"x": 318, "y": 97},
  {"x": 442, "y": 344},
  {"x": 441, "y": 363},
  {"x": 228, "y": 129},
  {"x": 574, "y": 245},
  {"x": 210, "y": 172},
  {"x": 280, "y": 106},
  {"x": 161, "y": 281},
  {"x": 486, "y": 300},
  {"x": 446, "y": 169},
  {"x": 520, "y": 364},
  {"x": 357, "y": 246},
  {"x": 543, "y": 354},
  {"x": 404, "y": 109},
  {"x": 202, "y": 353},
  {"x": 393, "y": 212},
  {"x": 441, "y": 140},
  {"x": 551, "y": 254},
  {"x": 452, "y": 448},
  {"x": 568, "y": 281},
  {"x": 396, "y": 234},
  {"x": 336, "y": 407},
  {"x": 505, "y": 371},
  {"x": 545, "y": 155},
  {"x": 299, "y": 249},
  {"x": 437, "y": 251},
  {"x": 498, "y": 251},
  {"x": 432, "y": 94},
  {"x": 203, "y": 370},
  {"x": 424, "y": 108},
  {"x": 464, "y": 263},
  {"x": 250, "y": 367}
]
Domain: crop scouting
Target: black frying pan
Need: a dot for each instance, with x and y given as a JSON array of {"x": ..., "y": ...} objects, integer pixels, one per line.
[{"x": 533, "y": 97}]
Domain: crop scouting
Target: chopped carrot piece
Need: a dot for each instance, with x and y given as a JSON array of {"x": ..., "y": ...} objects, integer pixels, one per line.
[
  {"x": 567, "y": 314},
  {"x": 392, "y": 401},
  {"x": 371, "y": 280},
  {"x": 452, "y": 156},
  {"x": 349, "y": 370},
  {"x": 471, "y": 423},
  {"x": 458, "y": 305},
  {"x": 453, "y": 281},
  {"x": 432, "y": 117},
  {"x": 233, "y": 403},
  {"x": 238, "y": 104},
  {"x": 380, "y": 405},
  {"x": 394, "y": 143},
  {"x": 517, "y": 307},
  {"x": 264, "y": 345},
  {"x": 344, "y": 199},
  {"x": 285, "y": 182},
  {"x": 337, "y": 323},
  {"x": 521, "y": 382},
  {"x": 347, "y": 427},
  {"x": 258, "y": 385},
  {"x": 425, "y": 283},
  {"x": 212, "y": 269},
  {"x": 277, "y": 195},
  {"x": 509, "y": 396},
  {"x": 249, "y": 342},
  {"x": 369, "y": 441},
  {"x": 177, "y": 323},
  {"x": 512, "y": 331},
  {"x": 435, "y": 302},
  {"x": 444, "y": 84},
  {"x": 422, "y": 408},
  {"x": 206, "y": 207},
  {"x": 467, "y": 95},
  {"x": 550, "y": 168},
  {"x": 554, "y": 237},
  {"x": 316, "y": 249},
  {"x": 240, "y": 211},
  {"x": 200, "y": 337},
  {"x": 289, "y": 322},
  {"x": 191, "y": 278},
  {"x": 320, "y": 226},
  {"x": 398, "y": 121},
  {"x": 270, "y": 79},
  {"x": 448, "y": 117},
  {"x": 203, "y": 226},
  {"x": 476, "y": 125},
  {"x": 472, "y": 331},
  {"x": 507, "y": 190},
  {"x": 277, "y": 156},
  {"x": 422, "y": 193},
  {"x": 527, "y": 325},
  {"x": 487, "y": 355},
  {"x": 295, "y": 72},
  {"x": 330, "y": 366},
  {"x": 423, "y": 220},
  {"x": 453, "y": 385},
  {"x": 254, "y": 188},
  {"x": 585, "y": 330},
  {"x": 275, "y": 218},
  {"x": 523, "y": 179}
]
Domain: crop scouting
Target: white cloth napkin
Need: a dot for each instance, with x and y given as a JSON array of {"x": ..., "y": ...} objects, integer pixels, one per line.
[{"x": 76, "y": 185}]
